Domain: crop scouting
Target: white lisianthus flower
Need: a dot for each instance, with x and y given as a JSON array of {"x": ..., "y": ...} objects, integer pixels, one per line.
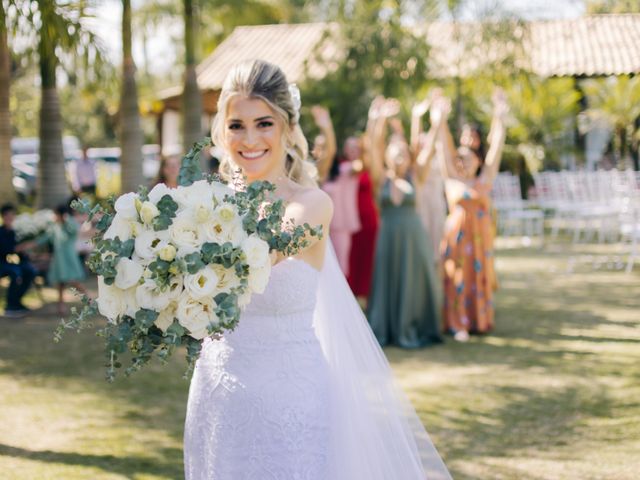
[
  {"x": 196, "y": 315},
  {"x": 126, "y": 206},
  {"x": 166, "y": 316},
  {"x": 111, "y": 301},
  {"x": 128, "y": 273},
  {"x": 220, "y": 190},
  {"x": 227, "y": 278},
  {"x": 131, "y": 303},
  {"x": 259, "y": 278},
  {"x": 202, "y": 284},
  {"x": 175, "y": 289},
  {"x": 202, "y": 213},
  {"x": 225, "y": 226},
  {"x": 145, "y": 242},
  {"x": 184, "y": 234},
  {"x": 159, "y": 191},
  {"x": 136, "y": 228},
  {"x": 120, "y": 227},
  {"x": 244, "y": 299},
  {"x": 256, "y": 250},
  {"x": 167, "y": 252},
  {"x": 150, "y": 297},
  {"x": 148, "y": 211}
]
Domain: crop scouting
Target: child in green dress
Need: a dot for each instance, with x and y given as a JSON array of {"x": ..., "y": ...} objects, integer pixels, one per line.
[{"x": 65, "y": 267}]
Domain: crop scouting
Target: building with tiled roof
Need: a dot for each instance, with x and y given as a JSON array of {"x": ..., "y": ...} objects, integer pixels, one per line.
[{"x": 596, "y": 45}]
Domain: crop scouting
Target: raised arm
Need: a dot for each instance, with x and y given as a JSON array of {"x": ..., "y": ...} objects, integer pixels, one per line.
[
  {"x": 444, "y": 140},
  {"x": 417, "y": 113},
  {"x": 376, "y": 125},
  {"x": 322, "y": 119},
  {"x": 497, "y": 136}
]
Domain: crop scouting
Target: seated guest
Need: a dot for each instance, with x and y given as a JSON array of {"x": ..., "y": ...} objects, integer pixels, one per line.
[{"x": 13, "y": 264}]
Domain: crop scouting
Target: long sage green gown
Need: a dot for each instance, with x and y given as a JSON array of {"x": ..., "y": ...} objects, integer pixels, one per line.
[
  {"x": 65, "y": 263},
  {"x": 404, "y": 307}
]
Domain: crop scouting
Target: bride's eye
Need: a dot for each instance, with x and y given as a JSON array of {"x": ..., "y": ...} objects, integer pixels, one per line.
[
  {"x": 234, "y": 126},
  {"x": 265, "y": 124}
]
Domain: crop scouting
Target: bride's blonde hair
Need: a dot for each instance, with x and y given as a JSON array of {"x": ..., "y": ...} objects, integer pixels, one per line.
[{"x": 265, "y": 81}]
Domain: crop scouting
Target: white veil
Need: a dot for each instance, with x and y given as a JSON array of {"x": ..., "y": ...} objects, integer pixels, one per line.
[{"x": 376, "y": 433}]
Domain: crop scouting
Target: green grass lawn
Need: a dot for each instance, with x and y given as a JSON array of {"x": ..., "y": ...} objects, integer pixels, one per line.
[{"x": 553, "y": 393}]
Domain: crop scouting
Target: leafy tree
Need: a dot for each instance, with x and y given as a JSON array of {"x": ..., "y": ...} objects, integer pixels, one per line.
[
  {"x": 613, "y": 6},
  {"x": 382, "y": 55}
]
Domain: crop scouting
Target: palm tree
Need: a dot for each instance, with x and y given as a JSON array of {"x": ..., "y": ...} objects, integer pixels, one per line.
[
  {"x": 131, "y": 137},
  {"x": 7, "y": 192},
  {"x": 191, "y": 97},
  {"x": 58, "y": 26},
  {"x": 616, "y": 101}
]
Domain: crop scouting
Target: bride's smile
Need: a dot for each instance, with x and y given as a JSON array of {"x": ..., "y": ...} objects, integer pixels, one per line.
[{"x": 254, "y": 137}]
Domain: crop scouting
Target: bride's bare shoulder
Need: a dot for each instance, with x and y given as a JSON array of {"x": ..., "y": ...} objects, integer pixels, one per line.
[{"x": 311, "y": 205}]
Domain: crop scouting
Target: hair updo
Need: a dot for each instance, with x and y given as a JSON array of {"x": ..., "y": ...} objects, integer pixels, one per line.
[{"x": 262, "y": 80}]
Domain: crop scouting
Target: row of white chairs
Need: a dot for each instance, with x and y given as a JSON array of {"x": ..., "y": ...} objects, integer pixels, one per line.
[{"x": 602, "y": 205}]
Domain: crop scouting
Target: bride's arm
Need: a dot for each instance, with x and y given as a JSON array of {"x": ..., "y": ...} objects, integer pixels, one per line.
[{"x": 312, "y": 206}]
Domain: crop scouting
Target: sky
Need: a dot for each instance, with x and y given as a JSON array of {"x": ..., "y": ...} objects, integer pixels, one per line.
[{"x": 162, "y": 52}]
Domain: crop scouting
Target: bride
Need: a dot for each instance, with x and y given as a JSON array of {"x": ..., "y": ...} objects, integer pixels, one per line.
[{"x": 300, "y": 390}]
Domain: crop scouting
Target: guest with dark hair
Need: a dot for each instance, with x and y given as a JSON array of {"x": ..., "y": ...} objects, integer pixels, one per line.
[{"x": 14, "y": 264}]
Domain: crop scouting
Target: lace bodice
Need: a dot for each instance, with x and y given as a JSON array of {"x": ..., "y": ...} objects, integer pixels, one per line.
[{"x": 291, "y": 289}]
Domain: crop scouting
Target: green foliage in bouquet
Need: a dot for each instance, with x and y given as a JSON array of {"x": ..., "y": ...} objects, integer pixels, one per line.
[{"x": 160, "y": 295}]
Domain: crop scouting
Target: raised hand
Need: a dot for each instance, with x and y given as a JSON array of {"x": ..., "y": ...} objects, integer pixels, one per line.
[
  {"x": 420, "y": 109},
  {"x": 375, "y": 108},
  {"x": 390, "y": 108},
  {"x": 440, "y": 109},
  {"x": 321, "y": 117},
  {"x": 500, "y": 105}
]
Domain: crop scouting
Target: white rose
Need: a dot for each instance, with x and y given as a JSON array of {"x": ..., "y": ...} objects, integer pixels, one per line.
[
  {"x": 167, "y": 252},
  {"x": 145, "y": 242},
  {"x": 111, "y": 300},
  {"x": 150, "y": 297},
  {"x": 166, "y": 316},
  {"x": 227, "y": 278},
  {"x": 256, "y": 250},
  {"x": 202, "y": 283},
  {"x": 159, "y": 191},
  {"x": 126, "y": 206},
  {"x": 148, "y": 211},
  {"x": 196, "y": 315},
  {"x": 259, "y": 278},
  {"x": 128, "y": 273},
  {"x": 120, "y": 227},
  {"x": 184, "y": 234}
]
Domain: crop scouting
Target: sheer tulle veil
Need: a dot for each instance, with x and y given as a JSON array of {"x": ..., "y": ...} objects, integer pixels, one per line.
[{"x": 376, "y": 433}]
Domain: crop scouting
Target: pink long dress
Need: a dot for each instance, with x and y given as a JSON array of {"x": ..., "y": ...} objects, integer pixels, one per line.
[{"x": 343, "y": 190}]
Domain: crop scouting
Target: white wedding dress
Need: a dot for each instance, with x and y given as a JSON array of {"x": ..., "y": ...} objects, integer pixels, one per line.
[{"x": 302, "y": 391}]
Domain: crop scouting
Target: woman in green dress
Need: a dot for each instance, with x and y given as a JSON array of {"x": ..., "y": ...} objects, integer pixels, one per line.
[
  {"x": 404, "y": 308},
  {"x": 65, "y": 267}
]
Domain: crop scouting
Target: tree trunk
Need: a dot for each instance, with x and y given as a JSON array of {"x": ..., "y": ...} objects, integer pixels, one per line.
[
  {"x": 52, "y": 186},
  {"x": 191, "y": 97},
  {"x": 7, "y": 192},
  {"x": 131, "y": 137}
]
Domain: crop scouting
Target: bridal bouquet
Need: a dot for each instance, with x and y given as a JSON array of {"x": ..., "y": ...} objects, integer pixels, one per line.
[{"x": 177, "y": 265}]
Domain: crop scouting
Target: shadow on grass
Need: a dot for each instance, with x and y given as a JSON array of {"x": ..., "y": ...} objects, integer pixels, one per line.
[{"x": 169, "y": 468}]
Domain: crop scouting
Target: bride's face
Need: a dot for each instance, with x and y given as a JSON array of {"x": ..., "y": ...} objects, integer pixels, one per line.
[{"x": 254, "y": 137}]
